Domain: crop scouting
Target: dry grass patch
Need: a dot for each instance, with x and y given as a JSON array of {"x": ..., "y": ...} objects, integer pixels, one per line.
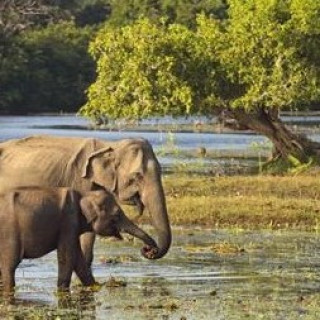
[
  {"x": 247, "y": 202},
  {"x": 306, "y": 186},
  {"x": 243, "y": 211}
]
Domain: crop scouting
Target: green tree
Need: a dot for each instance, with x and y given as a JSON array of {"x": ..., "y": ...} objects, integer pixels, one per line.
[
  {"x": 180, "y": 11},
  {"x": 19, "y": 15},
  {"x": 48, "y": 70},
  {"x": 269, "y": 49},
  {"x": 148, "y": 69},
  {"x": 92, "y": 12},
  {"x": 262, "y": 59},
  {"x": 185, "y": 11},
  {"x": 126, "y": 11}
]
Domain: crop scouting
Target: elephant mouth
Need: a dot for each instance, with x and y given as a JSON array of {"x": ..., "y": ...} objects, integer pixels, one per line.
[
  {"x": 135, "y": 200},
  {"x": 138, "y": 203}
]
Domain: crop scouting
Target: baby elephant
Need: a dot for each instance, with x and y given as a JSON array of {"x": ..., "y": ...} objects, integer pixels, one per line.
[{"x": 35, "y": 221}]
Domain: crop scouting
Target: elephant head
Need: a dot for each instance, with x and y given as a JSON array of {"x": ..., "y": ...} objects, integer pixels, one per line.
[
  {"x": 107, "y": 219},
  {"x": 131, "y": 171}
]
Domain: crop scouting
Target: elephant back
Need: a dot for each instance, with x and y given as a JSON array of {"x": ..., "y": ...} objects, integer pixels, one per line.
[{"x": 43, "y": 161}]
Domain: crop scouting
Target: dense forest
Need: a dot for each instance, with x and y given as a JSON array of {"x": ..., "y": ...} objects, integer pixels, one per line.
[{"x": 44, "y": 61}]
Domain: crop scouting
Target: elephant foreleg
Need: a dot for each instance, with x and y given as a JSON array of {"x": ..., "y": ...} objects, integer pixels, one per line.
[
  {"x": 87, "y": 242},
  {"x": 66, "y": 259},
  {"x": 8, "y": 278},
  {"x": 82, "y": 270}
]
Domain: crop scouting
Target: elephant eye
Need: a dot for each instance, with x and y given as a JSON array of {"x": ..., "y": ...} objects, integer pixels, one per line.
[
  {"x": 131, "y": 181},
  {"x": 135, "y": 177},
  {"x": 138, "y": 176}
]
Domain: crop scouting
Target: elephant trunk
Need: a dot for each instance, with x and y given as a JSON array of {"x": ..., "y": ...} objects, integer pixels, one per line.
[
  {"x": 129, "y": 227},
  {"x": 154, "y": 200}
]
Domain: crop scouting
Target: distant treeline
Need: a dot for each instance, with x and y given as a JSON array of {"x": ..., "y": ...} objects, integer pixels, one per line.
[{"x": 44, "y": 61}]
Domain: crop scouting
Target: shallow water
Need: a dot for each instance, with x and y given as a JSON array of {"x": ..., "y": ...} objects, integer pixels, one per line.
[{"x": 208, "y": 274}]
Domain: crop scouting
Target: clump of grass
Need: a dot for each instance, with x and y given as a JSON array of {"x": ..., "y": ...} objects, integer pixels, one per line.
[
  {"x": 117, "y": 259},
  {"x": 221, "y": 248},
  {"x": 112, "y": 282},
  {"x": 291, "y": 165}
]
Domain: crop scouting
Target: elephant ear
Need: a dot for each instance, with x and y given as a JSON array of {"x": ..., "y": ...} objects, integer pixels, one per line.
[
  {"x": 132, "y": 165},
  {"x": 137, "y": 163},
  {"x": 100, "y": 167},
  {"x": 89, "y": 209}
]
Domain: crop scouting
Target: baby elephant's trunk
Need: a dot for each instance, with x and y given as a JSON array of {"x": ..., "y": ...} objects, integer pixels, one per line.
[{"x": 129, "y": 227}]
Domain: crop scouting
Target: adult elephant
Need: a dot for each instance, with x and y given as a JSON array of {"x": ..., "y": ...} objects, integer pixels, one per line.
[{"x": 128, "y": 168}]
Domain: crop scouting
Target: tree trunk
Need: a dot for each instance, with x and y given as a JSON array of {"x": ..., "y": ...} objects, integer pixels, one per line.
[{"x": 285, "y": 142}]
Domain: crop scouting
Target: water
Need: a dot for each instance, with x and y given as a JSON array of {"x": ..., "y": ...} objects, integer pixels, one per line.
[
  {"x": 207, "y": 274},
  {"x": 12, "y": 127},
  {"x": 18, "y": 127}
]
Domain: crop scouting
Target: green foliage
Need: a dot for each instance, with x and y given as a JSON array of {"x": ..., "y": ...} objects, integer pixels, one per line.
[
  {"x": 127, "y": 11},
  {"x": 178, "y": 11},
  {"x": 150, "y": 69},
  {"x": 298, "y": 166},
  {"x": 258, "y": 54},
  {"x": 46, "y": 70},
  {"x": 186, "y": 11},
  {"x": 11, "y": 63},
  {"x": 92, "y": 12},
  {"x": 260, "y": 47},
  {"x": 255, "y": 59}
]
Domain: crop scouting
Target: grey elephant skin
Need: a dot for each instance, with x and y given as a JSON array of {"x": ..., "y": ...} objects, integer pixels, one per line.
[
  {"x": 35, "y": 221},
  {"x": 128, "y": 168}
]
